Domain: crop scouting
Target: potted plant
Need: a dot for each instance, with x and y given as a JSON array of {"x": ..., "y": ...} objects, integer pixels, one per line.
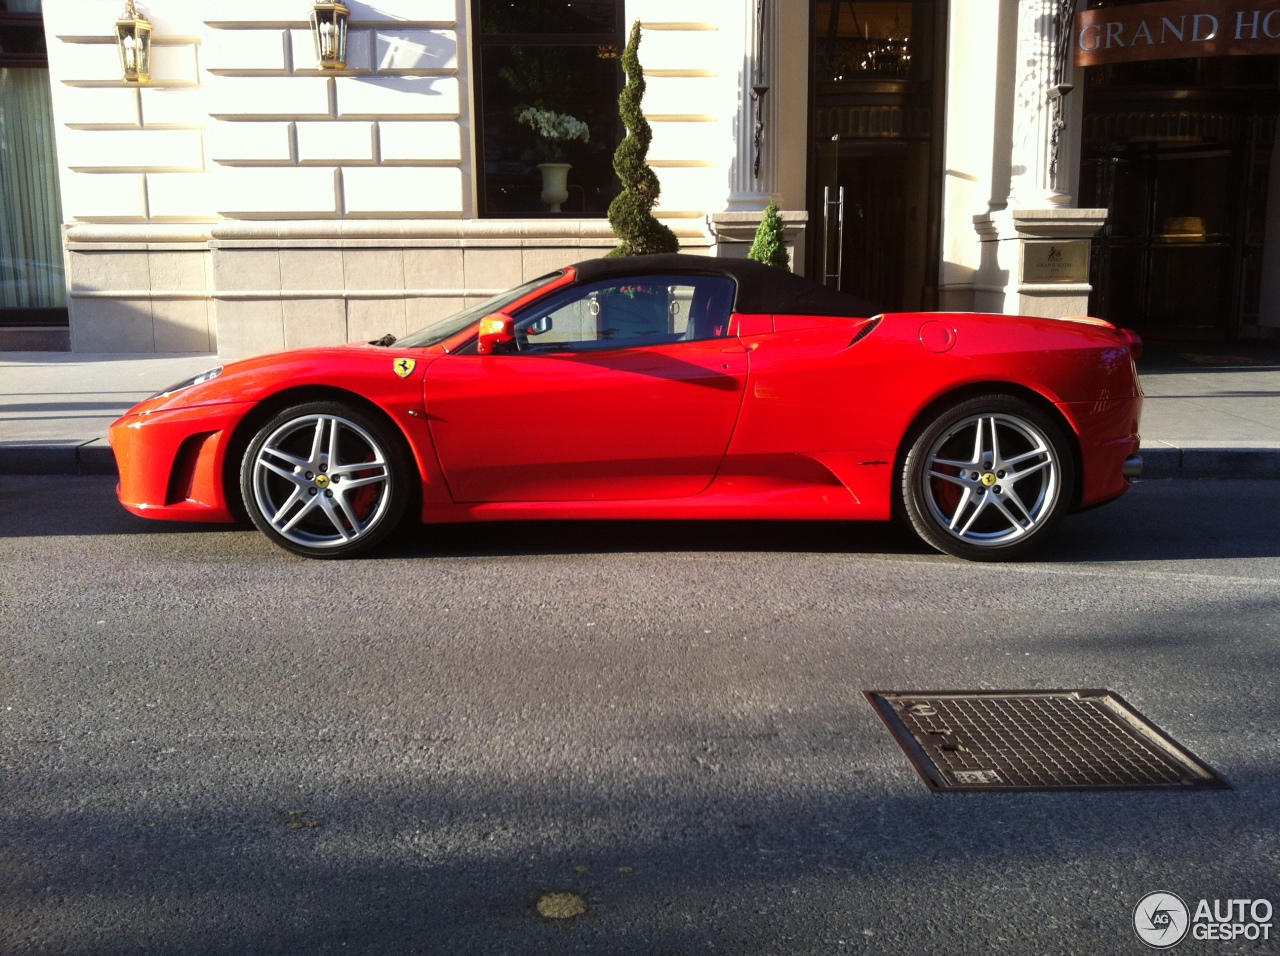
[{"x": 554, "y": 131}]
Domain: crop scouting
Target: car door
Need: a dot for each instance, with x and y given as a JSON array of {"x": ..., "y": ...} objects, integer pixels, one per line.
[{"x": 620, "y": 389}]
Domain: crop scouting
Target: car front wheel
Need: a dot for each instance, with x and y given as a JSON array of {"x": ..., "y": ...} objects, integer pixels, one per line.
[
  {"x": 988, "y": 478},
  {"x": 325, "y": 480}
]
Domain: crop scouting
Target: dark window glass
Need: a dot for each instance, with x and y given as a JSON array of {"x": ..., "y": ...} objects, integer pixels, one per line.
[
  {"x": 548, "y": 83},
  {"x": 873, "y": 41},
  {"x": 523, "y": 16}
]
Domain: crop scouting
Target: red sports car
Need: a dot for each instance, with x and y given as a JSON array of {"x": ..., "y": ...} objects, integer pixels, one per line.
[{"x": 655, "y": 387}]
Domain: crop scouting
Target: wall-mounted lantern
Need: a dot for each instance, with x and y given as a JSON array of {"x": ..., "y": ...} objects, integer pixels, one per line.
[
  {"x": 133, "y": 38},
  {"x": 329, "y": 30}
]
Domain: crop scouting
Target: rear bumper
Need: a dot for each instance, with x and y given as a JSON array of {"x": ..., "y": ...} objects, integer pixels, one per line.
[{"x": 1108, "y": 434}]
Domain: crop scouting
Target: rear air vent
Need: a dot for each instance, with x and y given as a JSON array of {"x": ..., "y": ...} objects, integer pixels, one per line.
[{"x": 866, "y": 330}]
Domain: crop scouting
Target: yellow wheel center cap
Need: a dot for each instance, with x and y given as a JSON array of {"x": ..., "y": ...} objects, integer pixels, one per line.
[
  {"x": 322, "y": 481},
  {"x": 989, "y": 479}
]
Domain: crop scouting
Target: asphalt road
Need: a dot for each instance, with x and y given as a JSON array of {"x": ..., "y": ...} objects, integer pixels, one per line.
[{"x": 210, "y": 746}]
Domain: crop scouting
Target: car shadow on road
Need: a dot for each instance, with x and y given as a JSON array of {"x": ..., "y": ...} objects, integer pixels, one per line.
[
  {"x": 507, "y": 538},
  {"x": 1155, "y": 521}
]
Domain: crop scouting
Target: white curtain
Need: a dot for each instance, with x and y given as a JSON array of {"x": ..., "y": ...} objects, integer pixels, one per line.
[{"x": 31, "y": 271}]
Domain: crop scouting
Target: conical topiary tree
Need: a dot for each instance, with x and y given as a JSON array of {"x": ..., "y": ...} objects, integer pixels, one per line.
[
  {"x": 770, "y": 246},
  {"x": 640, "y": 234}
]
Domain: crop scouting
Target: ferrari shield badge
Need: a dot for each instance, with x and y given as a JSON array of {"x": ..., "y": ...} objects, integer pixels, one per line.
[{"x": 404, "y": 366}]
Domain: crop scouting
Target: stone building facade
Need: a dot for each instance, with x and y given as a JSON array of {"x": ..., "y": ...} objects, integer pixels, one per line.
[{"x": 246, "y": 200}]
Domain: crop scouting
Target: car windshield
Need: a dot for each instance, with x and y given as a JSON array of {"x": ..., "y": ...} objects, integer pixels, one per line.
[{"x": 447, "y": 328}]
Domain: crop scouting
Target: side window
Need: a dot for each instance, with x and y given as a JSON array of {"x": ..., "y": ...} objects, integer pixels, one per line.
[{"x": 634, "y": 311}]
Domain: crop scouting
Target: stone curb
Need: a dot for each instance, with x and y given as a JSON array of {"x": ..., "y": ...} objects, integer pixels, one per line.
[
  {"x": 94, "y": 457},
  {"x": 1209, "y": 463}
]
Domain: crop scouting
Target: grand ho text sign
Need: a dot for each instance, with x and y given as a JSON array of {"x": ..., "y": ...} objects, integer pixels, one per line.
[{"x": 1175, "y": 29}]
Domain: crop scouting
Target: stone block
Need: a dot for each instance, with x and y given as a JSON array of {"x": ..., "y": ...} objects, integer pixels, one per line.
[
  {"x": 374, "y": 98},
  {"x": 421, "y": 141},
  {"x": 113, "y": 325},
  {"x": 246, "y": 270},
  {"x": 108, "y": 270},
  {"x": 373, "y": 268},
  {"x": 288, "y": 192},
  {"x": 248, "y": 328},
  {"x": 96, "y": 106},
  {"x": 335, "y": 142},
  {"x": 289, "y": 97},
  {"x": 415, "y": 51},
  {"x": 180, "y": 196},
  {"x": 691, "y": 190},
  {"x": 258, "y": 51},
  {"x": 103, "y": 195},
  {"x": 402, "y": 191},
  {"x": 249, "y": 142},
  {"x": 421, "y": 312},
  {"x": 413, "y": 11},
  {"x": 433, "y": 269},
  {"x": 311, "y": 269},
  {"x": 700, "y": 141},
  {"x": 82, "y": 149},
  {"x": 168, "y": 107},
  {"x": 679, "y": 50},
  {"x": 369, "y": 319},
  {"x": 302, "y": 46},
  {"x": 179, "y": 271},
  {"x": 683, "y": 96},
  {"x": 260, "y": 13},
  {"x": 654, "y": 12},
  {"x": 314, "y": 322},
  {"x": 181, "y": 325},
  {"x": 174, "y": 64},
  {"x": 539, "y": 260},
  {"x": 492, "y": 269},
  {"x": 90, "y": 62}
]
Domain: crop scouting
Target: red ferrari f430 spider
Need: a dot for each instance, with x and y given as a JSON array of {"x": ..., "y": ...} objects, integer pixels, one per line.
[{"x": 655, "y": 387}]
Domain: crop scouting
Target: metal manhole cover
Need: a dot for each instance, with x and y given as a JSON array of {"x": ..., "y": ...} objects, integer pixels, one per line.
[{"x": 1035, "y": 740}]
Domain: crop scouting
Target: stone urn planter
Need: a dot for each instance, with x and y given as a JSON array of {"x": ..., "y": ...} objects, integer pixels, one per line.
[{"x": 555, "y": 183}]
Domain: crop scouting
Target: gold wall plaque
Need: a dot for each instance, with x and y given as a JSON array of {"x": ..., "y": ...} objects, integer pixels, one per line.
[{"x": 1053, "y": 260}]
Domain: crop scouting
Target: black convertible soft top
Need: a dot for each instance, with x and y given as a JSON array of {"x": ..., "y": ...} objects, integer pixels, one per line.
[{"x": 761, "y": 289}]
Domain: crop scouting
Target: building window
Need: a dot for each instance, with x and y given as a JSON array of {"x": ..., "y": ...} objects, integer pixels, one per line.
[
  {"x": 32, "y": 282},
  {"x": 538, "y": 59}
]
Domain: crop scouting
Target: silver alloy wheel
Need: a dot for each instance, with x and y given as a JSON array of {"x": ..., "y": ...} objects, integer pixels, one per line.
[
  {"x": 992, "y": 479},
  {"x": 321, "y": 481}
]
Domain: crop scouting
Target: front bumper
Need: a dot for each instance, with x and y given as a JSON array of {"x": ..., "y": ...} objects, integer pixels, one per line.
[{"x": 171, "y": 462}]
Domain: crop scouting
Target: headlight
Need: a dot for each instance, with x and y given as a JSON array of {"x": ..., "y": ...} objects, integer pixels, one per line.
[{"x": 207, "y": 376}]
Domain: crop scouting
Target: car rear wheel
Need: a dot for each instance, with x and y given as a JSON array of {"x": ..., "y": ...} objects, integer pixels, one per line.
[
  {"x": 987, "y": 478},
  {"x": 325, "y": 480}
]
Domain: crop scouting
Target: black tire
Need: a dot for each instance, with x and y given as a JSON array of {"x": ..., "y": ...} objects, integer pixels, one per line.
[
  {"x": 326, "y": 480},
  {"x": 988, "y": 478}
]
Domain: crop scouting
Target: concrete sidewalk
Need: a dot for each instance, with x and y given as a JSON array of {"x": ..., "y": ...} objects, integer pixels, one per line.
[{"x": 1211, "y": 412}]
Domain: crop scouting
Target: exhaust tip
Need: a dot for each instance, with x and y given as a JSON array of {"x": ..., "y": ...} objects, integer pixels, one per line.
[{"x": 1133, "y": 467}]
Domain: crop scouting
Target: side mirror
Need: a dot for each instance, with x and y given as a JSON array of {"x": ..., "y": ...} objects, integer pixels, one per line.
[{"x": 495, "y": 330}]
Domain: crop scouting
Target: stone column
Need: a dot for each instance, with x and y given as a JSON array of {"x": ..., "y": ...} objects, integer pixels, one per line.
[
  {"x": 753, "y": 174},
  {"x": 1036, "y": 248},
  {"x": 752, "y": 184}
]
